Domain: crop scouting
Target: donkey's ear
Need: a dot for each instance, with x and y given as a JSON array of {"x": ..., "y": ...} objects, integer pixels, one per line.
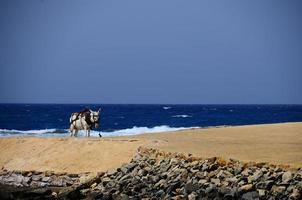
[
  {"x": 99, "y": 110},
  {"x": 90, "y": 110}
]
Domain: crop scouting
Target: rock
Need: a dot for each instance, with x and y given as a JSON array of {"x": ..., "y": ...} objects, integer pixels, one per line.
[
  {"x": 142, "y": 172},
  {"x": 250, "y": 196},
  {"x": 111, "y": 172},
  {"x": 216, "y": 181},
  {"x": 246, "y": 188},
  {"x": 26, "y": 180},
  {"x": 46, "y": 179},
  {"x": 257, "y": 175},
  {"x": 261, "y": 193},
  {"x": 93, "y": 185},
  {"x": 192, "y": 196},
  {"x": 287, "y": 177},
  {"x": 278, "y": 189},
  {"x": 267, "y": 185},
  {"x": 295, "y": 194},
  {"x": 199, "y": 175},
  {"x": 174, "y": 161},
  {"x": 106, "y": 179},
  {"x": 160, "y": 183},
  {"x": 57, "y": 182},
  {"x": 232, "y": 179},
  {"x": 54, "y": 194},
  {"x": 122, "y": 197},
  {"x": 224, "y": 174},
  {"x": 202, "y": 181},
  {"x": 194, "y": 164},
  {"x": 42, "y": 184},
  {"x": 237, "y": 170},
  {"x": 211, "y": 174},
  {"x": 299, "y": 186},
  {"x": 246, "y": 172},
  {"x": 190, "y": 187},
  {"x": 224, "y": 191},
  {"x": 36, "y": 177},
  {"x": 210, "y": 189}
]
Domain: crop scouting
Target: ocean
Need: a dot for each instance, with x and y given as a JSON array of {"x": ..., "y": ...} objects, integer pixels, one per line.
[{"x": 52, "y": 120}]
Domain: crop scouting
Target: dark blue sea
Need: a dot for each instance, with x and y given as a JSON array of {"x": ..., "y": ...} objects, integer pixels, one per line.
[{"x": 53, "y": 119}]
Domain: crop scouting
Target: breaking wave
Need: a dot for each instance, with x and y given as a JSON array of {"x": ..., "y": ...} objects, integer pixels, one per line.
[
  {"x": 42, "y": 132},
  {"x": 94, "y": 133}
]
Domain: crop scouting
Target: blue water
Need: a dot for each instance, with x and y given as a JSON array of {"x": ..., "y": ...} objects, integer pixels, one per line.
[{"x": 53, "y": 119}]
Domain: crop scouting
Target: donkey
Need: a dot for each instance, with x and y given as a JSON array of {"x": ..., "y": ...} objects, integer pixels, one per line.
[{"x": 84, "y": 120}]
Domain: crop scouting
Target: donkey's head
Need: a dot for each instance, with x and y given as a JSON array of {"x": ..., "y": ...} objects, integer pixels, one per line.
[{"x": 95, "y": 117}]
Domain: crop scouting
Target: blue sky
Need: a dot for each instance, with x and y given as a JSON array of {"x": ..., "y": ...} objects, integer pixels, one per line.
[{"x": 206, "y": 52}]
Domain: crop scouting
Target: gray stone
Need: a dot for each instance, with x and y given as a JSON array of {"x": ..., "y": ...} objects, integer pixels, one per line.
[
  {"x": 232, "y": 179},
  {"x": 199, "y": 175},
  {"x": 278, "y": 189},
  {"x": 46, "y": 179},
  {"x": 246, "y": 188},
  {"x": 287, "y": 177},
  {"x": 106, "y": 179},
  {"x": 192, "y": 196},
  {"x": 267, "y": 185},
  {"x": 250, "y": 196},
  {"x": 216, "y": 181},
  {"x": 42, "y": 184},
  {"x": 295, "y": 194},
  {"x": 36, "y": 177},
  {"x": 160, "y": 183},
  {"x": 111, "y": 172},
  {"x": 190, "y": 187},
  {"x": 257, "y": 175},
  {"x": 174, "y": 161},
  {"x": 202, "y": 181},
  {"x": 261, "y": 192},
  {"x": 57, "y": 182},
  {"x": 122, "y": 197},
  {"x": 26, "y": 180}
]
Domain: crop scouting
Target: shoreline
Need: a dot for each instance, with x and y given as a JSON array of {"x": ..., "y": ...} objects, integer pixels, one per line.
[{"x": 66, "y": 135}]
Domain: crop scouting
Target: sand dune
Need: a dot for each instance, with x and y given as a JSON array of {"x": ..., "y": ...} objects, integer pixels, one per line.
[{"x": 273, "y": 143}]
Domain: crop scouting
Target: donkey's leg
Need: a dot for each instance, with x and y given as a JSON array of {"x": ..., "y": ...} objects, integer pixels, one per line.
[
  {"x": 71, "y": 129},
  {"x": 75, "y": 133},
  {"x": 88, "y": 131}
]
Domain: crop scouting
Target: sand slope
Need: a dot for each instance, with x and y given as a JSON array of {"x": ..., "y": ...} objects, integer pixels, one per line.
[{"x": 274, "y": 143}]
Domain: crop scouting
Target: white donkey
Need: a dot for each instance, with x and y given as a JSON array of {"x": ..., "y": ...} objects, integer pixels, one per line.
[{"x": 84, "y": 120}]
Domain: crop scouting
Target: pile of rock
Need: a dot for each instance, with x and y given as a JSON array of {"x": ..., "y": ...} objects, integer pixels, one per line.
[
  {"x": 157, "y": 175},
  {"x": 154, "y": 174},
  {"x": 35, "y": 179}
]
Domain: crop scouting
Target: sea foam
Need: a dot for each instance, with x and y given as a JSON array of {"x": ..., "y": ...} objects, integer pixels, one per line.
[{"x": 94, "y": 133}]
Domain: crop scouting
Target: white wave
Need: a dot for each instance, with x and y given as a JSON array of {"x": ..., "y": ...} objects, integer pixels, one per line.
[
  {"x": 42, "y": 132},
  {"x": 94, "y": 133},
  {"x": 139, "y": 130},
  {"x": 166, "y": 107},
  {"x": 27, "y": 131},
  {"x": 182, "y": 116}
]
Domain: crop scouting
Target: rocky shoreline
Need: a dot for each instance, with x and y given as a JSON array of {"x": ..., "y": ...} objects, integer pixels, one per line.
[{"x": 153, "y": 174}]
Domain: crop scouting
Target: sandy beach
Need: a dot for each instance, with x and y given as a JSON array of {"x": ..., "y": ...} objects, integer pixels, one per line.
[{"x": 273, "y": 143}]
